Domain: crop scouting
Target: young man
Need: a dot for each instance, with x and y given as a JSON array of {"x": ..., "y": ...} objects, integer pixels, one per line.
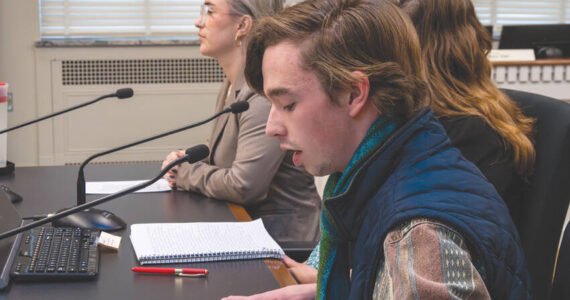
[{"x": 405, "y": 216}]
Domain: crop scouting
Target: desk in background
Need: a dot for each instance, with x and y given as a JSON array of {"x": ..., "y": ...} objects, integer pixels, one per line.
[{"x": 47, "y": 189}]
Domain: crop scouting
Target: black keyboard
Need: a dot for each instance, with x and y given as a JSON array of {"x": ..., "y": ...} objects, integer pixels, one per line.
[{"x": 51, "y": 253}]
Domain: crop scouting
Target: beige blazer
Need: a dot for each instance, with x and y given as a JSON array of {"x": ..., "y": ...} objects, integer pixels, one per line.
[{"x": 248, "y": 168}]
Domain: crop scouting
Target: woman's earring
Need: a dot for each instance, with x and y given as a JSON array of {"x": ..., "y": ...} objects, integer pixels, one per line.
[{"x": 238, "y": 41}]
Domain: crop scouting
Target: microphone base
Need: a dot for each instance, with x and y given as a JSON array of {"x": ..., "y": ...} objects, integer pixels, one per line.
[
  {"x": 91, "y": 218},
  {"x": 8, "y": 169}
]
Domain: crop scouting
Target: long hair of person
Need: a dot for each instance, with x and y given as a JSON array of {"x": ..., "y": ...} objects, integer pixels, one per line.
[{"x": 454, "y": 47}]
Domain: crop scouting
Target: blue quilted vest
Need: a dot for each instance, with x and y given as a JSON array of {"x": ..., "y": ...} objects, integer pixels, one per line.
[{"x": 418, "y": 174}]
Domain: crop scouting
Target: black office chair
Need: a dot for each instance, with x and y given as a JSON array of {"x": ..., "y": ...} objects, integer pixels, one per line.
[
  {"x": 546, "y": 201},
  {"x": 561, "y": 285}
]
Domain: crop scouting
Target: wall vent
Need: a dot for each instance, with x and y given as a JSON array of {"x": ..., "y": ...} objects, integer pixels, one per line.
[{"x": 141, "y": 71}]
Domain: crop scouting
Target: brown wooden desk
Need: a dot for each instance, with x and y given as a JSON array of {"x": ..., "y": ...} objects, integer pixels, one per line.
[
  {"x": 538, "y": 62},
  {"x": 46, "y": 189}
]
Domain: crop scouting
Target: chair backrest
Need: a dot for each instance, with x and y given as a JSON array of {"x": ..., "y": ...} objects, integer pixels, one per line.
[
  {"x": 561, "y": 285},
  {"x": 546, "y": 201}
]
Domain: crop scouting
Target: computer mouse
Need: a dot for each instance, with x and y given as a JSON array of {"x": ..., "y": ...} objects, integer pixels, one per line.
[
  {"x": 11, "y": 195},
  {"x": 91, "y": 218},
  {"x": 549, "y": 52}
]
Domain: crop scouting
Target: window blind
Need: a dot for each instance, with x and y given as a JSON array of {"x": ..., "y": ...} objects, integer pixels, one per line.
[
  {"x": 170, "y": 18},
  {"x": 510, "y": 12},
  {"x": 118, "y": 18}
]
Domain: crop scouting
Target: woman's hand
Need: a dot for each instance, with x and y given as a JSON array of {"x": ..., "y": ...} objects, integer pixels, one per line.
[
  {"x": 302, "y": 272},
  {"x": 170, "y": 176}
]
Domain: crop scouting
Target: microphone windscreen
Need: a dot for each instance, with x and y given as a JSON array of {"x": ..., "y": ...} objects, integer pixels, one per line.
[
  {"x": 239, "y": 106},
  {"x": 197, "y": 153},
  {"x": 124, "y": 93}
]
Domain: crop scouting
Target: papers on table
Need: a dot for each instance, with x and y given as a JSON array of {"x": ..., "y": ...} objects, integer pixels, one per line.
[{"x": 109, "y": 187}]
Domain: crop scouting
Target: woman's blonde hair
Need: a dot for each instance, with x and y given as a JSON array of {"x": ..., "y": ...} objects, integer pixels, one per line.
[
  {"x": 454, "y": 49},
  {"x": 255, "y": 8}
]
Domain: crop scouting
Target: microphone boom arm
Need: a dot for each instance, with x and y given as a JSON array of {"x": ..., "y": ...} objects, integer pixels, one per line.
[
  {"x": 81, "y": 178},
  {"x": 121, "y": 93},
  {"x": 95, "y": 202}
]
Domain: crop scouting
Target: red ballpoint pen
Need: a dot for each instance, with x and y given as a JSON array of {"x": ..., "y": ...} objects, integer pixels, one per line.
[{"x": 176, "y": 271}]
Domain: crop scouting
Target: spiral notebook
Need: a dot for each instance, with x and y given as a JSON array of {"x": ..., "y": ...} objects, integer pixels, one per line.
[{"x": 165, "y": 243}]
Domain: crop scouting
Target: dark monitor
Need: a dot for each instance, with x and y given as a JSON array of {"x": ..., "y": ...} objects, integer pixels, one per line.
[{"x": 548, "y": 40}]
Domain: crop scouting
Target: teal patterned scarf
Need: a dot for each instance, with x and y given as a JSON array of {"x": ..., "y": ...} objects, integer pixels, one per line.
[{"x": 333, "y": 248}]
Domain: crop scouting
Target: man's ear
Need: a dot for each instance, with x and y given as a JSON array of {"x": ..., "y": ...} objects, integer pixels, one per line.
[
  {"x": 244, "y": 26},
  {"x": 358, "y": 94}
]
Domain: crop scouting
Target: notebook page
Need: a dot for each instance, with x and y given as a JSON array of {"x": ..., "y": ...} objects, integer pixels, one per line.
[{"x": 178, "y": 240}]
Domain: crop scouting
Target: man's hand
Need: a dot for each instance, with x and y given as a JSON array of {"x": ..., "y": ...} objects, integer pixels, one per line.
[
  {"x": 292, "y": 292},
  {"x": 172, "y": 173},
  {"x": 302, "y": 272}
]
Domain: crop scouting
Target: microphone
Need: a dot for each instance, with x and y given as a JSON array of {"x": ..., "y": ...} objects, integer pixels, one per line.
[
  {"x": 192, "y": 155},
  {"x": 235, "y": 108},
  {"x": 120, "y": 93},
  {"x": 238, "y": 107},
  {"x": 124, "y": 93}
]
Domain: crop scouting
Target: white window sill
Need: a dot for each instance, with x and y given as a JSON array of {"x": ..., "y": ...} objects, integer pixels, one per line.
[{"x": 135, "y": 42}]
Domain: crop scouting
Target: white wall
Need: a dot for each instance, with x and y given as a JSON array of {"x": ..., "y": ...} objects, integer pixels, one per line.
[
  {"x": 156, "y": 107},
  {"x": 19, "y": 30}
]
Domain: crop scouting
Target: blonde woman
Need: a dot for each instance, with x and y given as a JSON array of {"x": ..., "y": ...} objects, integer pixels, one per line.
[{"x": 245, "y": 166}]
